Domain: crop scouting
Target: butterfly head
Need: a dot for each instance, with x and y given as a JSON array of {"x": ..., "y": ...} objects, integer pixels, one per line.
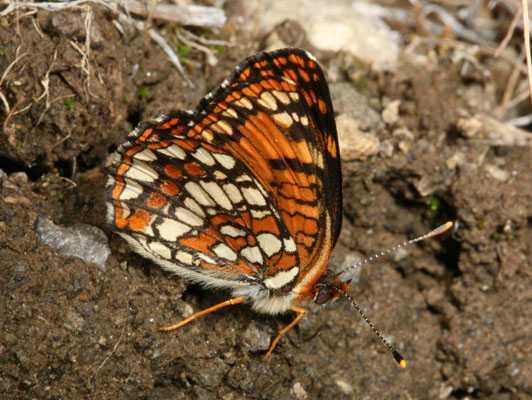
[{"x": 329, "y": 287}]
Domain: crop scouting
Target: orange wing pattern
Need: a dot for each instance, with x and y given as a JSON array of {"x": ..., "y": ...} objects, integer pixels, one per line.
[{"x": 244, "y": 191}]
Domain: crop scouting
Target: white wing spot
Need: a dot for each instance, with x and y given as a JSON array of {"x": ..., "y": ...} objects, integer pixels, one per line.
[
  {"x": 131, "y": 190},
  {"x": 219, "y": 175},
  {"x": 145, "y": 155},
  {"x": 170, "y": 229},
  {"x": 224, "y": 84},
  {"x": 260, "y": 188},
  {"x": 217, "y": 193},
  {"x": 260, "y": 213},
  {"x": 126, "y": 212},
  {"x": 233, "y": 193},
  {"x": 267, "y": 101},
  {"x": 193, "y": 206},
  {"x": 184, "y": 257},
  {"x": 320, "y": 160},
  {"x": 204, "y": 157},
  {"x": 198, "y": 194},
  {"x": 230, "y": 112},
  {"x": 188, "y": 217},
  {"x": 173, "y": 151},
  {"x": 290, "y": 81},
  {"x": 207, "y": 135},
  {"x": 141, "y": 172},
  {"x": 284, "y": 119},
  {"x": 311, "y": 56},
  {"x": 224, "y": 251},
  {"x": 244, "y": 102},
  {"x": 160, "y": 249},
  {"x": 222, "y": 127},
  {"x": 253, "y": 196},
  {"x": 226, "y": 161},
  {"x": 230, "y": 230},
  {"x": 281, "y": 278},
  {"x": 269, "y": 243},
  {"x": 207, "y": 258},
  {"x": 281, "y": 96},
  {"x": 252, "y": 254},
  {"x": 289, "y": 245},
  {"x": 243, "y": 178}
]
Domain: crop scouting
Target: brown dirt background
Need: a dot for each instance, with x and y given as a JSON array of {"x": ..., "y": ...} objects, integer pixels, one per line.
[{"x": 458, "y": 307}]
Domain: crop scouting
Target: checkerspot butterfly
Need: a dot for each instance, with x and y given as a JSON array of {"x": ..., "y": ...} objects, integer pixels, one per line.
[{"x": 244, "y": 193}]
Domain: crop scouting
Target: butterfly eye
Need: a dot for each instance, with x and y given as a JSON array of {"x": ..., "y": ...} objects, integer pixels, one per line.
[{"x": 324, "y": 295}]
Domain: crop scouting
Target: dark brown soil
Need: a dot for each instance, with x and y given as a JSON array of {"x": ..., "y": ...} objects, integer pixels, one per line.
[{"x": 457, "y": 307}]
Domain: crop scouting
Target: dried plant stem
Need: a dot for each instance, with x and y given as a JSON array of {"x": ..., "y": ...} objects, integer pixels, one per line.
[{"x": 526, "y": 31}]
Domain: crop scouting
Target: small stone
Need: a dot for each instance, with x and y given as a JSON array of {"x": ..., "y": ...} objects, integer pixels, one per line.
[
  {"x": 405, "y": 132},
  {"x": 345, "y": 387},
  {"x": 212, "y": 374},
  {"x": 189, "y": 311},
  {"x": 74, "y": 322},
  {"x": 445, "y": 391},
  {"x": 355, "y": 144},
  {"x": 386, "y": 149},
  {"x": 21, "y": 356},
  {"x": 19, "y": 178},
  {"x": 17, "y": 200},
  {"x": 83, "y": 241},
  {"x": 469, "y": 127},
  {"x": 425, "y": 186},
  {"x": 434, "y": 296},
  {"x": 255, "y": 338},
  {"x": 390, "y": 114},
  {"x": 456, "y": 160},
  {"x": 20, "y": 268},
  {"x": 299, "y": 391},
  {"x": 497, "y": 173},
  {"x": 404, "y": 146}
]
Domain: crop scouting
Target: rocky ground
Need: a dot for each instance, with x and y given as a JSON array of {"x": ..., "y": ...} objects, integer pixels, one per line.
[{"x": 423, "y": 141}]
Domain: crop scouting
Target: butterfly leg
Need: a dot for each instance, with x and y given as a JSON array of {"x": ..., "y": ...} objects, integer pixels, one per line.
[
  {"x": 229, "y": 302},
  {"x": 300, "y": 314}
]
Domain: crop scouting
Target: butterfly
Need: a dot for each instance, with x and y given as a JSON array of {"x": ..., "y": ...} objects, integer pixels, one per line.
[{"x": 244, "y": 193}]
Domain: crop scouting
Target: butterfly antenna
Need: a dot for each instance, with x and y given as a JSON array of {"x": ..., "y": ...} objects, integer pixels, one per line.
[
  {"x": 398, "y": 357},
  {"x": 438, "y": 231}
]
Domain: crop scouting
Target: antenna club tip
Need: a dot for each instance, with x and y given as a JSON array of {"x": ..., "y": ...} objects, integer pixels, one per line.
[
  {"x": 399, "y": 358},
  {"x": 448, "y": 224}
]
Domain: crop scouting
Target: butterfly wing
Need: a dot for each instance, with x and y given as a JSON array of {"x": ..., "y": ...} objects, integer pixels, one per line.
[
  {"x": 276, "y": 114},
  {"x": 236, "y": 193}
]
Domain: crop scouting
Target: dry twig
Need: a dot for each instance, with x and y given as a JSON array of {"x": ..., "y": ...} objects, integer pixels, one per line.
[
  {"x": 172, "y": 56},
  {"x": 526, "y": 31},
  {"x": 509, "y": 34},
  {"x": 210, "y": 17},
  {"x": 511, "y": 83},
  {"x": 4, "y": 75}
]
